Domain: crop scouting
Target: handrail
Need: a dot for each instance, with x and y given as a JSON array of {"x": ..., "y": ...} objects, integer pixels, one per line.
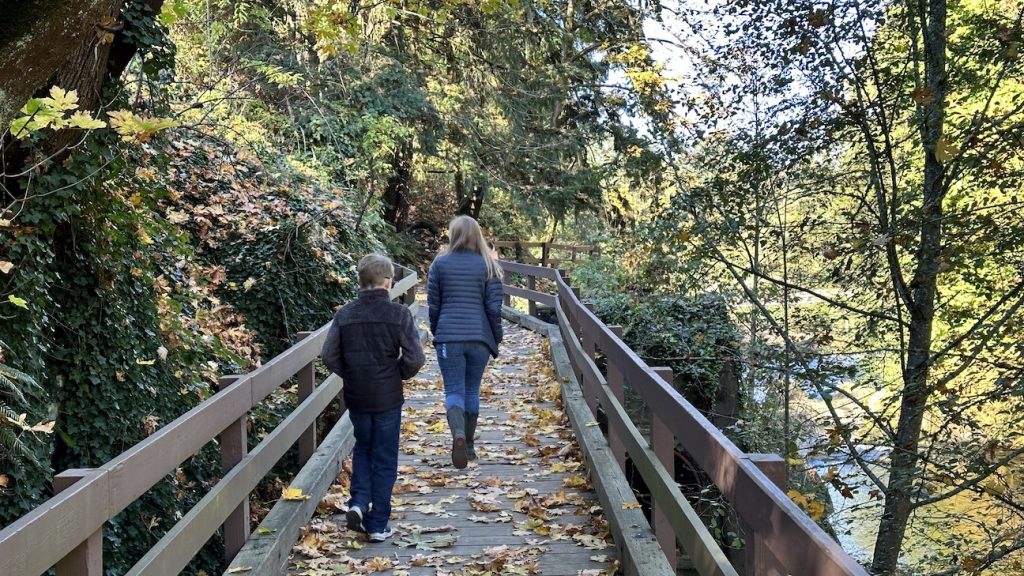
[
  {"x": 62, "y": 530},
  {"x": 782, "y": 534},
  {"x": 546, "y": 248}
]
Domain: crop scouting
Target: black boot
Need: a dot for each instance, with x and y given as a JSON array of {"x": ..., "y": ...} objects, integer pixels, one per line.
[
  {"x": 457, "y": 423},
  {"x": 471, "y": 434}
]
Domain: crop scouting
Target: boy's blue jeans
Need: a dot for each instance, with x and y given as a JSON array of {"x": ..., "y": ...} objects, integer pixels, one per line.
[
  {"x": 462, "y": 367},
  {"x": 374, "y": 465}
]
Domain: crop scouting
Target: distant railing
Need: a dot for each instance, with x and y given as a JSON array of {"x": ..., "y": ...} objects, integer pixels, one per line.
[
  {"x": 551, "y": 254},
  {"x": 66, "y": 531},
  {"x": 780, "y": 538}
]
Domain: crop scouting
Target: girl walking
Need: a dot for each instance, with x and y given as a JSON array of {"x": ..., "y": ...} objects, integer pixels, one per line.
[{"x": 464, "y": 295}]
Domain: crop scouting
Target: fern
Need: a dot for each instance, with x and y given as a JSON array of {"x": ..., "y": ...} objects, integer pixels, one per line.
[{"x": 15, "y": 385}]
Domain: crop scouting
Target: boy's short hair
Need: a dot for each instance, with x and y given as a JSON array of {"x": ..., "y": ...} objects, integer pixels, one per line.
[{"x": 373, "y": 269}]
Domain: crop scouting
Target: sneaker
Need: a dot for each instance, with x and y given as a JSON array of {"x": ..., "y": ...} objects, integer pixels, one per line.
[
  {"x": 382, "y": 535},
  {"x": 354, "y": 519}
]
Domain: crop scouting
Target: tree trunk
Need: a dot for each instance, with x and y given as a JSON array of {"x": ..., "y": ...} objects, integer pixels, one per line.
[
  {"x": 916, "y": 388},
  {"x": 396, "y": 201},
  {"x": 38, "y": 37}
]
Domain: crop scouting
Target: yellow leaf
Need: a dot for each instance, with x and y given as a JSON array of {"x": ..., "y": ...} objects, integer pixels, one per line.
[
  {"x": 6, "y": 266},
  {"x": 634, "y": 505},
  {"x": 945, "y": 150},
  {"x": 683, "y": 236},
  {"x": 4, "y": 480},
  {"x": 144, "y": 236},
  {"x": 46, "y": 428},
  {"x": 142, "y": 362},
  {"x": 591, "y": 423},
  {"x": 248, "y": 284},
  {"x": 239, "y": 569},
  {"x": 293, "y": 494}
]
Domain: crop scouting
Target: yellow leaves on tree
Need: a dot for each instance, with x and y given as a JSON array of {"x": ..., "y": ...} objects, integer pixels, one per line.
[
  {"x": 52, "y": 112},
  {"x": 945, "y": 150},
  {"x": 808, "y": 503},
  {"x": 134, "y": 128}
]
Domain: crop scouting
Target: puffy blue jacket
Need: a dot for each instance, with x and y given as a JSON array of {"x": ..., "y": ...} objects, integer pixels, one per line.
[{"x": 464, "y": 305}]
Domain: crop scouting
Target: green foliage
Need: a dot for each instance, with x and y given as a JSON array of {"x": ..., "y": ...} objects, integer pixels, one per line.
[{"x": 692, "y": 335}]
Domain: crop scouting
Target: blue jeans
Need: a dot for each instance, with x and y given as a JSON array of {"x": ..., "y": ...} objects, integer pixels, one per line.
[
  {"x": 375, "y": 465},
  {"x": 462, "y": 367}
]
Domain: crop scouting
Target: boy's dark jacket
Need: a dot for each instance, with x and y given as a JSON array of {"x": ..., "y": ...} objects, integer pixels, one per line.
[{"x": 363, "y": 347}]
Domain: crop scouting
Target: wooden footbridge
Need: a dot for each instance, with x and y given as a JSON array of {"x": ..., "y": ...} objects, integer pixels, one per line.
[{"x": 548, "y": 495}]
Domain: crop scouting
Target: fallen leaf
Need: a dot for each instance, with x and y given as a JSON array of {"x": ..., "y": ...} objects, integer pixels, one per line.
[
  {"x": 293, "y": 494},
  {"x": 239, "y": 569},
  {"x": 634, "y": 505},
  {"x": 6, "y": 266}
]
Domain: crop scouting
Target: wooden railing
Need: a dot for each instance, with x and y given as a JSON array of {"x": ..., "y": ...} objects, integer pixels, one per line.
[
  {"x": 525, "y": 252},
  {"x": 780, "y": 538},
  {"x": 66, "y": 531}
]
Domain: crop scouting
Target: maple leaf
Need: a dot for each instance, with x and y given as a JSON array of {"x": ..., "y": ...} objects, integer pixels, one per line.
[
  {"x": 293, "y": 494},
  {"x": 945, "y": 150}
]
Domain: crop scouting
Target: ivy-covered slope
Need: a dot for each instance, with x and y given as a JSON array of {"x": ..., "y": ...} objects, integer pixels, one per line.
[{"x": 147, "y": 273}]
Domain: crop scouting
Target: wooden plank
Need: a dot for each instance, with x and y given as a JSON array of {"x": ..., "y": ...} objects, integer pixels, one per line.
[
  {"x": 304, "y": 387},
  {"x": 664, "y": 446},
  {"x": 38, "y": 540},
  {"x": 234, "y": 445},
  {"x": 759, "y": 559},
  {"x": 617, "y": 385},
  {"x": 638, "y": 549},
  {"x": 517, "y": 268},
  {"x": 175, "y": 550},
  {"x": 268, "y": 554},
  {"x": 532, "y": 295},
  {"x": 402, "y": 286},
  {"x": 87, "y": 558}
]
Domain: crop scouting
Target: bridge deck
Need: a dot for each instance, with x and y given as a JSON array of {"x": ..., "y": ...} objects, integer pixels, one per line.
[{"x": 524, "y": 508}]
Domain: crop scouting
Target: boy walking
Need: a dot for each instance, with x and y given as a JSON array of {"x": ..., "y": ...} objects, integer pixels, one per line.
[{"x": 373, "y": 344}]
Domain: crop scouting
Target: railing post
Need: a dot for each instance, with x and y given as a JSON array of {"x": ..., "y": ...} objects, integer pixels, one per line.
[
  {"x": 306, "y": 384},
  {"x": 664, "y": 445},
  {"x": 590, "y": 349},
  {"x": 531, "y": 283},
  {"x": 617, "y": 384},
  {"x": 759, "y": 559},
  {"x": 87, "y": 558},
  {"x": 505, "y": 284},
  {"x": 234, "y": 445}
]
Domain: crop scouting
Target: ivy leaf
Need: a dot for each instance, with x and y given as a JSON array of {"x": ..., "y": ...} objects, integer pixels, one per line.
[{"x": 19, "y": 302}]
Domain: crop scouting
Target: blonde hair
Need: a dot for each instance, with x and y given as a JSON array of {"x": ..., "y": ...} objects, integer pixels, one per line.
[
  {"x": 464, "y": 234},
  {"x": 373, "y": 270}
]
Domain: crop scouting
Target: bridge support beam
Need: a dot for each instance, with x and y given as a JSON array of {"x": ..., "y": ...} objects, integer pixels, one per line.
[
  {"x": 759, "y": 559},
  {"x": 234, "y": 446},
  {"x": 618, "y": 386},
  {"x": 664, "y": 445},
  {"x": 87, "y": 558},
  {"x": 306, "y": 385}
]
